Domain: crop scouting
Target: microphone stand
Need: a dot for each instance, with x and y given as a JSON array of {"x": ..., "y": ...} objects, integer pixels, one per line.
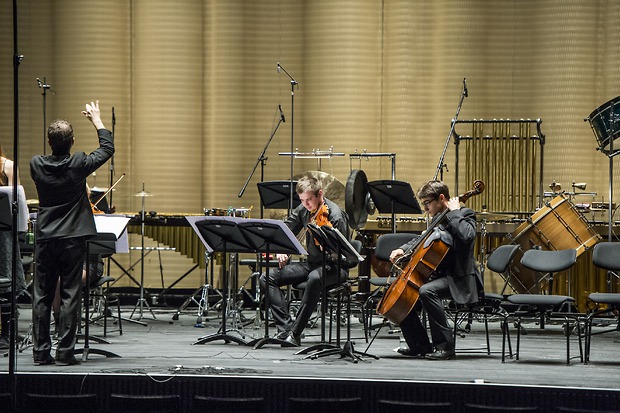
[
  {"x": 17, "y": 58},
  {"x": 110, "y": 205},
  {"x": 262, "y": 159},
  {"x": 613, "y": 122},
  {"x": 43, "y": 85},
  {"x": 441, "y": 165},
  {"x": 293, "y": 84}
]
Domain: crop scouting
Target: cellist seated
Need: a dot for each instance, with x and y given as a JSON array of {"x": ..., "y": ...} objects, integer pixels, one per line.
[{"x": 454, "y": 277}]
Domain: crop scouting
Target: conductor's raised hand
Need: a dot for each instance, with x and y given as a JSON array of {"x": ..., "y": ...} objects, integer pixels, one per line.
[{"x": 93, "y": 114}]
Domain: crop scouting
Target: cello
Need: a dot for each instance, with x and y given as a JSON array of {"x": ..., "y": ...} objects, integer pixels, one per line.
[{"x": 403, "y": 292}]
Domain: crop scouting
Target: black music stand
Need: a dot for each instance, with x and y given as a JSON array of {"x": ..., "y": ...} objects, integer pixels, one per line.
[
  {"x": 276, "y": 194},
  {"x": 102, "y": 244},
  {"x": 270, "y": 236},
  {"x": 394, "y": 197},
  {"x": 327, "y": 246},
  {"x": 340, "y": 245},
  {"x": 221, "y": 234}
]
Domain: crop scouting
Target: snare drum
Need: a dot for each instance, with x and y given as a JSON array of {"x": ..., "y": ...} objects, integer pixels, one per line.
[
  {"x": 601, "y": 121},
  {"x": 556, "y": 226}
]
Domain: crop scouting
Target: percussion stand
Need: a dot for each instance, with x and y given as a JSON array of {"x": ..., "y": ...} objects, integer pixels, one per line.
[{"x": 142, "y": 301}]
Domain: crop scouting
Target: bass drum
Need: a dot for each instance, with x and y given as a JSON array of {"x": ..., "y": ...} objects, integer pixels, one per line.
[
  {"x": 556, "y": 226},
  {"x": 601, "y": 122}
]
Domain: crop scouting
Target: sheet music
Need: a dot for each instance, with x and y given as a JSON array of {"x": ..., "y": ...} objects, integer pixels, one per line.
[
  {"x": 22, "y": 218},
  {"x": 117, "y": 225}
]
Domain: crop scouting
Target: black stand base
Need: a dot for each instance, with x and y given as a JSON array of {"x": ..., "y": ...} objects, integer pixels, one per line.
[
  {"x": 347, "y": 351},
  {"x": 227, "y": 338},
  {"x": 256, "y": 344},
  {"x": 86, "y": 351}
]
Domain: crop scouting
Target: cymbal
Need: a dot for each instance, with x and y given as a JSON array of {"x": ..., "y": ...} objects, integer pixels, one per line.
[
  {"x": 143, "y": 193},
  {"x": 333, "y": 189},
  {"x": 32, "y": 202},
  {"x": 491, "y": 216}
]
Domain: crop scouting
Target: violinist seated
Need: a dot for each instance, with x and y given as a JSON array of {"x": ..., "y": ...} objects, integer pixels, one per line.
[
  {"x": 456, "y": 276},
  {"x": 316, "y": 209}
]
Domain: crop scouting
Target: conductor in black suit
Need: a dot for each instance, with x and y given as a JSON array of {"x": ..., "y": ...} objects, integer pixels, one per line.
[
  {"x": 456, "y": 276},
  {"x": 64, "y": 223}
]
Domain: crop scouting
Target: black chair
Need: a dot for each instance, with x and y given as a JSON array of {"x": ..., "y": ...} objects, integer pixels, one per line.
[
  {"x": 58, "y": 403},
  {"x": 130, "y": 403},
  {"x": 336, "y": 294},
  {"x": 310, "y": 405},
  {"x": 605, "y": 255},
  {"x": 228, "y": 404},
  {"x": 397, "y": 406},
  {"x": 543, "y": 306},
  {"x": 386, "y": 243},
  {"x": 489, "y": 305},
  {"x": 102, "y": 298}
]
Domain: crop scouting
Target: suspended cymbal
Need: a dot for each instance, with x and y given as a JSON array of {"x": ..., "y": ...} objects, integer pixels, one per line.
[
  {"x": 32, "y": 202},
  {"x": 491, "y": 216},
  {"x": 333, "y": 189},
  {"x": 143, "y": 193}
]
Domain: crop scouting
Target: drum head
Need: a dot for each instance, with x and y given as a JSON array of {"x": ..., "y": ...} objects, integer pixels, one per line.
[
  {"x": 357, "y": 199},
  {"x": 605, "y": 123}
]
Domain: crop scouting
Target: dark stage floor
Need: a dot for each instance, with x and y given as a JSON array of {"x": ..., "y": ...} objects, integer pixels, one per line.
[
  {"x": 159, "y": 357},
  {"x": 164, "y": 346}
]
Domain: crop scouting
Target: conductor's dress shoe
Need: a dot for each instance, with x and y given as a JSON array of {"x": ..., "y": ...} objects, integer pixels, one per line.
[{"x": 441, "y": 355}]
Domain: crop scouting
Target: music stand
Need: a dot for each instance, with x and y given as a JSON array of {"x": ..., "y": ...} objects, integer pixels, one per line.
[
  {"x": 395, "y": 197},
  {"x": 276, "y": 194},
  {"x": 220, "y": 234},
  {"x": 269, "y": 236},
  {"x": 109, "y": 231}
]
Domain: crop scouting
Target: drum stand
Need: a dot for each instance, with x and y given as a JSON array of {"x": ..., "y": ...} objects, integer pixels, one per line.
[{"x": 142, "y": 301}]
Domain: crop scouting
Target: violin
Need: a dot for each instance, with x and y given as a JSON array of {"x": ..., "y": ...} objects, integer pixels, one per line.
[
  {"x": 93, "y": 206},
  {"x": 320, "y": 216}
]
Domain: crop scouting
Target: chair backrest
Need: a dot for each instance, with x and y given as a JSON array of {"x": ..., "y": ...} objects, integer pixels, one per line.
[
  {"x": 500, "y": 259},
  {"x": 34, "y": 402},
  {"x": 606, "y": 255},
  {"x": 312, "y": 405},
  {"x": 387, "y": 243},
  {"x": 549, "y": 261},
  {"x": 169, "y": 403},
  {"x": 228, "y": 404}
]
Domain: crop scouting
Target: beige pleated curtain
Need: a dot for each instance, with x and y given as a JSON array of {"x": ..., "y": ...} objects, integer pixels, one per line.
[{"x": 195, "y": 87}]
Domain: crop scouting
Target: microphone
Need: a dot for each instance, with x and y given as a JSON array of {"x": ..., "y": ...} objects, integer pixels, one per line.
[
  {"x": 281, "y": 113},
  {"x": 465, "y": 86},
  {"x": 278, "y": 67},
  {"x": 113, "y": 116}
]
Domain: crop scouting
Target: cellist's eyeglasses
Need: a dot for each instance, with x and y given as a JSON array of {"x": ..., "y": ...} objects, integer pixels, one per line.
[{"x": 426, "y": 203}]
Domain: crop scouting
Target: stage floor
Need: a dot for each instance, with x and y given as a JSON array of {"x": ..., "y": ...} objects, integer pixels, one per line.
[{"x": 165, "y": 346}]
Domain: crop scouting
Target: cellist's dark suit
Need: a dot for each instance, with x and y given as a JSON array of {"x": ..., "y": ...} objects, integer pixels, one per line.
[{"x": 457, "y": 277}]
